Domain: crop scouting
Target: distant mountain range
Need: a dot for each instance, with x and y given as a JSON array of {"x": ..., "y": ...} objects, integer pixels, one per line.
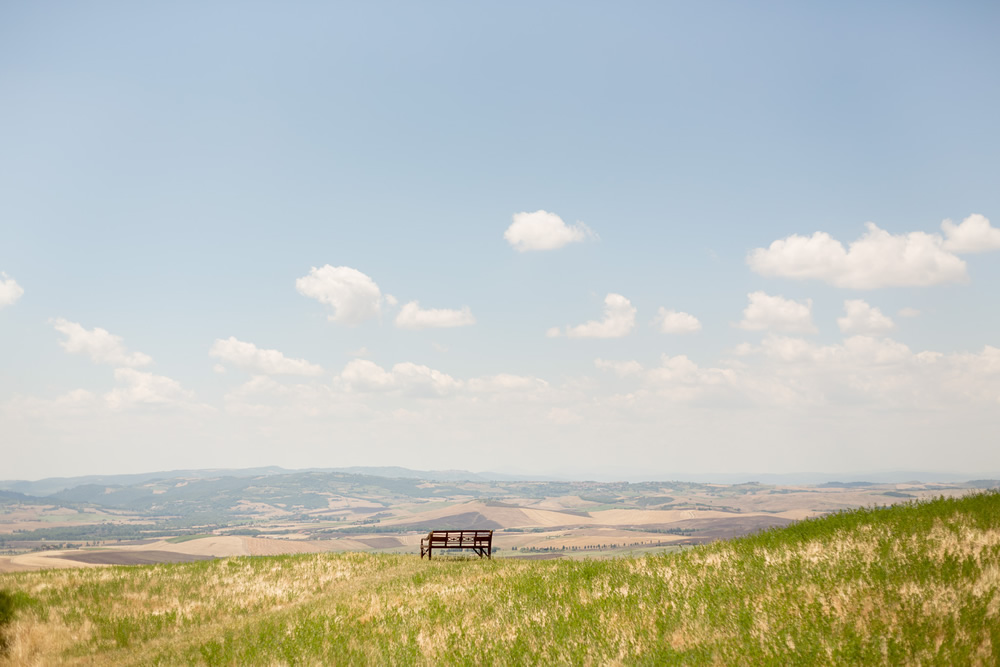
[{"x": 53, "y": 485}]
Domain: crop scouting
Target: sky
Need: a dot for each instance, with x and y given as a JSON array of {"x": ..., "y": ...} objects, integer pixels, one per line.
[{"x": 596, "y": 240}]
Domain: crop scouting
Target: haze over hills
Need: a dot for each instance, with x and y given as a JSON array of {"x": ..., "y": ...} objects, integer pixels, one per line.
[{"x": 52, "y": 485}]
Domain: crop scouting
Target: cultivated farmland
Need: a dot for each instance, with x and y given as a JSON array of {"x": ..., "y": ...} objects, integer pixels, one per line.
[{"x": 917, "y": 583}]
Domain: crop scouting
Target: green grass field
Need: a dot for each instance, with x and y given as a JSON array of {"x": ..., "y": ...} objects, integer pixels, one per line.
[{"x": 908, "y": 584}]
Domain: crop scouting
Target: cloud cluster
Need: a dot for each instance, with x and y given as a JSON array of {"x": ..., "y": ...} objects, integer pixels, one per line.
[
  {"x": 102, "y": 347},
  {"x": 353, "y": 296},
  {"x": 861, "y": 372},
  {"x": 877, "y": 259},
  {"x": 675, "y": 322},
  {"x": 542, "y": 230},
  {"x": 619, "y": 319},
  {"x": 862, "y": 318},
  {"x": 974, "y": 234},
  {"x": 776, "y": 313},
  {"x": 10, "y": 291},
  {"x": 677, "y": 378},
  {"x": 412, "y": 316},
  {"x": 252, "y": 358},
  {"x": 141, "y": 388},
  {"x": 362, "y": 375}
]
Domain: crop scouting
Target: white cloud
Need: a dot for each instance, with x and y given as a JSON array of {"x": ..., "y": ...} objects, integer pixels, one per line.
[
  {"x": 143, "y": 388},
  {"x": 406, "y": 377},
  {"x": 365, "y": 375},
  {"x": 908, "y": 312},
  {"x": 553, "y": 332},
  {"x": 877, "y": 259},
  {"x": 870, "y": 372},
  {"x": 974, "y": 234},
  {"x": 269, "y": 362},
  {"x": 862, "y": 318},
  {"x": 776, "y": 313},
  {"x": 866, "y": 373},
  {"x": 619, "y": 318},
  {"x": 10, "y": 291},
  {"x": 542, "y": 230},
  {"x": 354, "y": 296},
  {"x": 102, "y": 347},
  {"x": 412, "y": 316},
  {"x": 674, "y": 322}
]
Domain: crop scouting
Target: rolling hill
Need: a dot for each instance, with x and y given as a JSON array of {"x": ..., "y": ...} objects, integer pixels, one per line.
[{"x": 917, "y": 583}]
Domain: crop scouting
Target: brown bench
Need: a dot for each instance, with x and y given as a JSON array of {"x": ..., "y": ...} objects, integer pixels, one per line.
[{"x": 480, "y": 541}]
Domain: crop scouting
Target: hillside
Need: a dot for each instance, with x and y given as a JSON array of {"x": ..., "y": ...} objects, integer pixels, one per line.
[
  {"x": 282, "y": 512},
  {"x": 913, "y": 583}
]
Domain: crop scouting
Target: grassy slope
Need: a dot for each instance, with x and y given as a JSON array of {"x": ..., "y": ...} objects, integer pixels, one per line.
[{"x": 911, "y": 583}]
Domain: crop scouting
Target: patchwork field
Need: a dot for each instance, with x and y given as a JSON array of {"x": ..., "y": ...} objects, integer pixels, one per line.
[
  {"x": 908, "y": 584},
  {"x": 177, "y": 519}
]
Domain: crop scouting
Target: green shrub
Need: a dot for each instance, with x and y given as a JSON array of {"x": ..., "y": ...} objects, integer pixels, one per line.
[{"x": 10, "y": 603}]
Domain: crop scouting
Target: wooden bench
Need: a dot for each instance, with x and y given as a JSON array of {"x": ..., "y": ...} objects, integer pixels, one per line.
[{"x": 480, "y": 541}]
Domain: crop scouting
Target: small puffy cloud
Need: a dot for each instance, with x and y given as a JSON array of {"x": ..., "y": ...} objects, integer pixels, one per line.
[
  {"x": 619, "y": 318},
  {"x": 141, "y": 388},
  {"x": 354, "y": 296},
  {"x": 365, "y": 375},
  {"x": 269, "y": 362},
  {"x": 974, "y": 234},
  {"x": 908, "y": 312},
  {"x": 102, "y": 347},
  {"x": 362, "y": 375},
  {"x": 776, "y": 313},
  {"x": 877, "y": 259},
  {"x": 862, "y": 318},
  {"x": 553, "y": 332},
  {"x": 412, "y": 316},
  {"x": 419, "y": 379},
  {"x": 542, "y": 230},
  {"x": 10, "y": 291},
  {"x": 674, "y": 322}
]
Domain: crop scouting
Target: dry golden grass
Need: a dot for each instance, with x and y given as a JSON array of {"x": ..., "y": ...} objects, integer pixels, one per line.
[{"x": 906, "y": 585}]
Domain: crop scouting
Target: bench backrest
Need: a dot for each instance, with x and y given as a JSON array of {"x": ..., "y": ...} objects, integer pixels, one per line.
[{"x": 460, "y": 537}]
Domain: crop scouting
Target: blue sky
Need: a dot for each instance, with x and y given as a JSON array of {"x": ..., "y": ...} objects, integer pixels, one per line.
[{"x": 171, "y": 176}]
